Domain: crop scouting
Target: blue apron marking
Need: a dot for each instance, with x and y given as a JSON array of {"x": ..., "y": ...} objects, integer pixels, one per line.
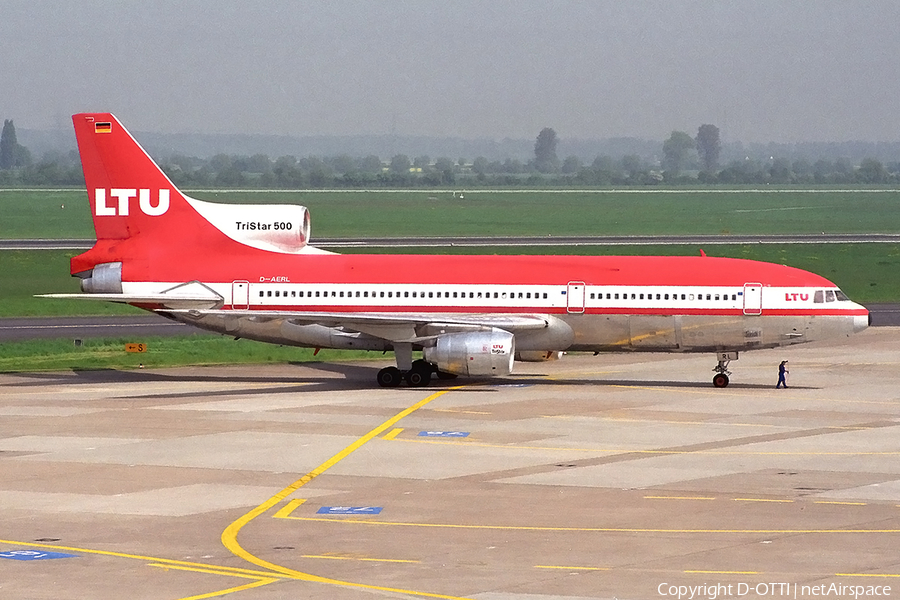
[
  {"x": 349, "y": 510},
  {"x": 34, "y": 555}
]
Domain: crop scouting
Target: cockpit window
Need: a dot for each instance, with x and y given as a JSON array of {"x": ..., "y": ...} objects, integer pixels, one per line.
[
  {"x": 829, "y": 296},
  {"x": 841, "y": 296},
  {"x": 819, "y": 297}
]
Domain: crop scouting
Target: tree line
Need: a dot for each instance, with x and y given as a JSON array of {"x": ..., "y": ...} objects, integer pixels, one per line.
[{"x": 684, "y": 160}]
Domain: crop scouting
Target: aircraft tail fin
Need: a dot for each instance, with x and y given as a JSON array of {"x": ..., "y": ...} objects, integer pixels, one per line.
[
  {"x": 129, "y": 194},
  {"x": 138, "y": 211}
]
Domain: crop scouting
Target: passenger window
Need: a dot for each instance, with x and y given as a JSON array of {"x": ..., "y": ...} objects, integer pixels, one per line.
[
  {"x": 382, "y": 294},
  {"x": 642, "y": 296},
  {"x": 317, "y": 294},
  {"x": 545, "y": 295},
  {"x": 431, "y": 294},
  {"x": 617, "y": 295},
  {"x": 262, "y": 294},
  {"x": 658, "y": 297},
  {"x": 342, "y": 294},
  {"x": 717, "y": 296},
  {"x": 709, "y": 296},
  {"x": 666, "y": 297}
]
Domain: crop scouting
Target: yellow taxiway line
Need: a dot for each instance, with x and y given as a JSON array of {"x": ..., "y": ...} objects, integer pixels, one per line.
[
  {"x": 587, "y": 529},
  {"x": 260, "y": 577},
  {"x": 230, "y": 535}
]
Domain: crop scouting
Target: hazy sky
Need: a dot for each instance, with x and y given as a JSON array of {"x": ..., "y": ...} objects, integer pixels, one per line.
[{"x": 786, "y": 70}]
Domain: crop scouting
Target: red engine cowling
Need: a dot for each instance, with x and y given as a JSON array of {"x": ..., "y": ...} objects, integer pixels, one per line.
[{"x": 478, "y": 353}]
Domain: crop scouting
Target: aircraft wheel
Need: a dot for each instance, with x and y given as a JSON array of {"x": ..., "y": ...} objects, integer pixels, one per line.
[
  {"x": 389, "y": 377},
  {"x": 423, "y": 365},
  {"x": 418, "y": 377},
  {"x": 720, "y": 380}
]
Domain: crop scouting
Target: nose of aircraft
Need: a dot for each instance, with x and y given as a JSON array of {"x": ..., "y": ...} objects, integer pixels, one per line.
[{"x": 860, "y": 322}]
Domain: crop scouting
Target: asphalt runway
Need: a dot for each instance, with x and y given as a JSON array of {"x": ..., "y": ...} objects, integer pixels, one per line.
[
  {"x": 616, "y": 476},
  {"x": 44, "y": 328},
  {"x": 490, "y": 241}
]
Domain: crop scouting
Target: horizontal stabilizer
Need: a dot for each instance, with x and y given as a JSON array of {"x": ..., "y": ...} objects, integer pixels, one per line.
[{"x": 173, "y": 301}]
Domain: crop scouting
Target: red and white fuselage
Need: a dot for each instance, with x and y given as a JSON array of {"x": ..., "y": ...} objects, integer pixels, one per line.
[{"x": 248, "y": 271}]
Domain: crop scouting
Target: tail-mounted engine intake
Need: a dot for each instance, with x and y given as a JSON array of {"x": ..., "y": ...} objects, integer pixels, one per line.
[
  {"x": 477, "y": 353},
  {"x": 281, "y": 228},
  {"x": 105, "y": 278}
]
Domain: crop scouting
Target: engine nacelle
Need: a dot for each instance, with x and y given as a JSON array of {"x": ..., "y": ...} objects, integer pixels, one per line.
[
  {"x": 104, "y": 278},
  {"x": 281, "y": 228},
  {"x": 538, "y": 355},
  {"x": 478, "y": 353}
]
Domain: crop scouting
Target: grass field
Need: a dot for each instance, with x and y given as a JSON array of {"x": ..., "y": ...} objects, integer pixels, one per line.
[
  {"x": 25, "y": 273},
  {"x": 65, "y": 214},
  {"x": 866, "y": 272},
  {"x": 199, "y": 349}
]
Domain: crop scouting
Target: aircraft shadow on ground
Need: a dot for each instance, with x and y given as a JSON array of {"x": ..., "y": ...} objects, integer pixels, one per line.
[{"x": 350, "y": 376}]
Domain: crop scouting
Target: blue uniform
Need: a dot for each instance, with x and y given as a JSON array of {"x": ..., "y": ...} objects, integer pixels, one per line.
[{"x": 781, "y": 372}]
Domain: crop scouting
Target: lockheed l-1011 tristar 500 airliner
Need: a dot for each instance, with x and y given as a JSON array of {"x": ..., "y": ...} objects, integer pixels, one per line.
[{"x": 249, "y": 271}]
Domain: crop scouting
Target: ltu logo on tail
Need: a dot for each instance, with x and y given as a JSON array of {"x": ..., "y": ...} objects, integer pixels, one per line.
[{"x": 118, "y": 202}]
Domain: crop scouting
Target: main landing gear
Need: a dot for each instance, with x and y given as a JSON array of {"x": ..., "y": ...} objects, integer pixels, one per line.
[
  {"x": 418, "y": 375},
  {"x": 720, "y": 379}
]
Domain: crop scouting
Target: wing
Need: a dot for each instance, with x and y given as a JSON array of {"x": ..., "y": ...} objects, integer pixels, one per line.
[{"x": 395, "y": 327}]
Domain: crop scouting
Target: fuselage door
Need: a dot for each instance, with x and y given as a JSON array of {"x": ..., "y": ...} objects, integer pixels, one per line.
[
  {"x": 752, "y": 298},
  {"x": 240, "y": 294},
  {"x": 575, "y": 297}
]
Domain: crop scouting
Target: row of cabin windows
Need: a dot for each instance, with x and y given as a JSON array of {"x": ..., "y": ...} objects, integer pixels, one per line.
[
  {"x": 365, "y": 294},
  {"x": 636, "y": 296}
]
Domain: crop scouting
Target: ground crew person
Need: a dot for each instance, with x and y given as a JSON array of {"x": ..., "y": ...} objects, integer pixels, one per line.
[{"x": 782, "y": 371}]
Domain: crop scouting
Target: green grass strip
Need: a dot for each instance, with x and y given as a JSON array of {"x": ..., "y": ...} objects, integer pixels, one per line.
[{"x": 200, "y": 349}]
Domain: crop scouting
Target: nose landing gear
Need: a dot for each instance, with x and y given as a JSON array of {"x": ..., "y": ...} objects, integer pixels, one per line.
[{"x": 720, "y": 379}]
